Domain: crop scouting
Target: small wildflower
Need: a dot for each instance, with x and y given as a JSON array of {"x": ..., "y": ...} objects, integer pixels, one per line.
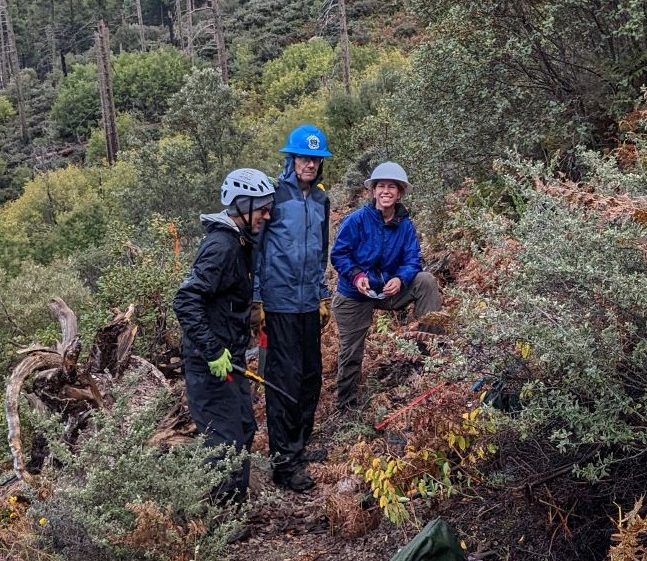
[
  {"x": 13, "y": 500},
  {"x": 13, "y": 515},
  {"x": 42, "y": 521}
]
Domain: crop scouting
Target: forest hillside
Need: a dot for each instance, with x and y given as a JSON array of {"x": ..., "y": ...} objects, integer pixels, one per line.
[{"x": 523, "y": 128}]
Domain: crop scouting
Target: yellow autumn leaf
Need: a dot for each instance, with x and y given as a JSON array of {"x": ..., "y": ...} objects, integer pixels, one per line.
[{"x": 524, "y": 349}]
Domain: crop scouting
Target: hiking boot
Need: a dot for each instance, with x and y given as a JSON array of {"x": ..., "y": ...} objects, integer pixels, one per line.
[
  {"x": 299, "y": 481},
  {"x": 316, "y": 455},
  {"x": 431, "y": 328},
  {"x": 240, "y": 534},
  {"x": 349, "y": 406}
]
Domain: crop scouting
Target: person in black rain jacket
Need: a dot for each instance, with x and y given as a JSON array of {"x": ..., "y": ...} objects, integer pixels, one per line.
[{"x": 213, "y": 308}]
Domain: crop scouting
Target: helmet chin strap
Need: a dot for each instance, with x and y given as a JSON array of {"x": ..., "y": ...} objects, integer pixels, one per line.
[{"x": 247, "y": 231}]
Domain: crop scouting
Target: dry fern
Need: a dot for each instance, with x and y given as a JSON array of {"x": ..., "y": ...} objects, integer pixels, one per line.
[
  {"x": 155, "y": 531},
  {"x": 631, "y": 536}
]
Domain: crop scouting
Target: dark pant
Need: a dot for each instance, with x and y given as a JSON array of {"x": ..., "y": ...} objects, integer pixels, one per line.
[
  {"x": 222, "y": 412},
  {"x": 293, "y": 363},
  {"x": 354, "y": 317}
]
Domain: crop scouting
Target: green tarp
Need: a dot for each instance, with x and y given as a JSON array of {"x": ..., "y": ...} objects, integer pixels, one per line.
[{"x": 435, "y": 542}]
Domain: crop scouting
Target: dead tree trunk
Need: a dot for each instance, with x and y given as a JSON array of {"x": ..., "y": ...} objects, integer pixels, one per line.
[
  {"x": 14, "y": 67},
  {"x": 51, "y": 35},
  {"x": 178, "y": 23},
  {"x": 140, "y": 24},
  {"x": 104, "y": 70},
  {"x": 345, "y": 47},
  {"x": 189, "y": 30},
  {"x": 219, "y": 37},
  {"x": 4, "y": 61}
]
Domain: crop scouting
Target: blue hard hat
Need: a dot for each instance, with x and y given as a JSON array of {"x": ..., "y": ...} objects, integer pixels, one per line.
[{"x": 307, "y": 140}]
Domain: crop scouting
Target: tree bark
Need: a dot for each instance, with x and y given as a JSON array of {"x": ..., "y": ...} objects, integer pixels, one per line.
[
  {"x": 178, "y": 23},
  {"x": 4, "y": 57},
  {"x": 345, "y": 47},
  {"x": 104, "y": 71},
  {"x": 219, "y": 37},
  {"x": 140, "y": 24},
  {"x": 189, "y": 32},
  {"x": 14, "y": 67}
]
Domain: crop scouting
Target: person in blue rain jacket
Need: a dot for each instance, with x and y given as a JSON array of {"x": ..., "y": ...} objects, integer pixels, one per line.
[
  {"x": 295, "y": 302},
  {"x": 377, "y": 256}
]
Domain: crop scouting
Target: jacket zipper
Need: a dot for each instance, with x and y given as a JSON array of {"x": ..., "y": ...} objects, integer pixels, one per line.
[{"x": 305, "y": 257}]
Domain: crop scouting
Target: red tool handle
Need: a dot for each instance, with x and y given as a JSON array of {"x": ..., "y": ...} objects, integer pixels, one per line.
[{"x": 381, "y": 425}]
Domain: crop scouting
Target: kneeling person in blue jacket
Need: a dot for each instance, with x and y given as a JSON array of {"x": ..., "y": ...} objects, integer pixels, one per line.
[
  {"x": 213, "y": 307},
  {"x": 378, "y": 258}
]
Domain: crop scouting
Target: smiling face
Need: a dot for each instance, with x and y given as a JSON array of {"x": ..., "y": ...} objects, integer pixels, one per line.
[
  {"x": 259, "y": 217},
  {"x": 386, "y": 193}
]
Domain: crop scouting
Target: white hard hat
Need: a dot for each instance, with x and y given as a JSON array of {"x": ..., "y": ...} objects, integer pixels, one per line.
[
  {"x": 388, "y": 170},
  {"x": 245, "y": 182}
]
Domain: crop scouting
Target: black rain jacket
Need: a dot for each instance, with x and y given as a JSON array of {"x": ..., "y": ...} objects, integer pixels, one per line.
[{"x": 213, "y": 303}]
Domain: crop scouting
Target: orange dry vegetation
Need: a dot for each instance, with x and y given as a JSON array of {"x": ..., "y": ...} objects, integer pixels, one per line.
[
  {"x": 609, "y": 207},
  {"x": 156, "y": 532},
  {"x": 630, "y": 541}
]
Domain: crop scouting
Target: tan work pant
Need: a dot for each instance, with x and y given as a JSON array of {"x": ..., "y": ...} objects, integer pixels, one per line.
[{"x": 354, "y": 319}]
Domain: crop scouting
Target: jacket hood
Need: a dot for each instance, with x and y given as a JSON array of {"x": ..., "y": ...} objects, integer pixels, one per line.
[
  {"x": 289, "y": 174},
  {"x": 210, "y": 221}
]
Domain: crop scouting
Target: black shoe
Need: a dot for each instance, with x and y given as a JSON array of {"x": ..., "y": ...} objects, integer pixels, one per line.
[
  {"x": 299, "y": 481},
  {"x": 240, "y": 534},
  {"x": 431, "y": 329},
  {"x": 348, "y": 406},
  {"x": 317, "y": 455}
]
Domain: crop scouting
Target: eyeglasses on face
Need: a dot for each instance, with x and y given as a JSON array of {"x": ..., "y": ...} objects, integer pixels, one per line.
[
  {"x": 316, "y": 160},
  {"x": 264, "y": 209}
]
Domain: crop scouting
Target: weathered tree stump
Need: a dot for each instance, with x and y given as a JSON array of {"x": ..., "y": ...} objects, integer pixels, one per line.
[{"x": 62, "y": 386}]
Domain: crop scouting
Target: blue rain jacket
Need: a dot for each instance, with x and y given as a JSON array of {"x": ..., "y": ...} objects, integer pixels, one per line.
[
  {"x": 366, "y": 244},
  {"x": 293, "y": 248}
]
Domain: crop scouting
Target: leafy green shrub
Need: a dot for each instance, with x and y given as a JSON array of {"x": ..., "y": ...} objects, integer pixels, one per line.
[
  {"x": 169, "y": 180},
  {"x": 129, "y": 130},
  {"x": 145, "y": 81},
  {"x": 204, "y": 111},
  {"x": 77, "y": 107},
  {"x": 298, "y": 72},
  {"x": 59, "y": 213},
  {"x": 542, "y": 79},
  {"x": 574, "y": 309},
  {"x": 6, "y": 109},
  {"x": 146, "y": 275},
  {"x": 141, "y": 81},
  {"x": 116, "y": 497}
]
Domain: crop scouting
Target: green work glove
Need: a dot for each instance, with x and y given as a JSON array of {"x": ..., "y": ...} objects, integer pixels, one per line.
[{"x": 222, "y": 365}]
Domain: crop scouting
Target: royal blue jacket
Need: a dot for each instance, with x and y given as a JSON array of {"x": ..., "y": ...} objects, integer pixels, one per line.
[
  {"x": 293, "y": 248},
  {"x": 365, "y": 243}
]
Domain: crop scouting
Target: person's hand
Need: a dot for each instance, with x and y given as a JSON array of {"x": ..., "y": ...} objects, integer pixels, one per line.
[
  {"x": 222, "y": 365},
  {"x": 361, "y": 283},
  {"x": 392, "y": 287},
  {"x": 324, "y": 312}
]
